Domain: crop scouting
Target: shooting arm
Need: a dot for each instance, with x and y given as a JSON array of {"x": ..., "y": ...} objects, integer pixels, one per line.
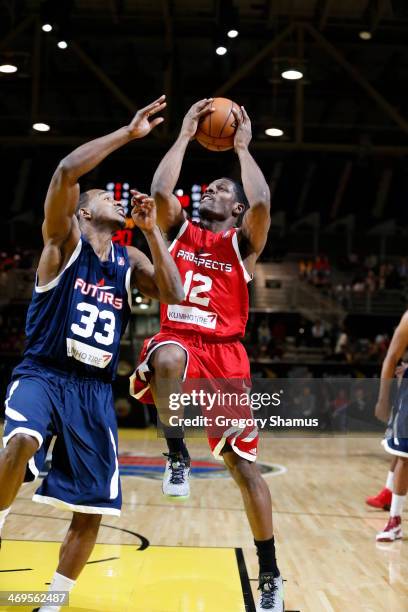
[
  {"x": 256, "y": 221},
  {"x": 169, "y": 211},
  {"x": 170, "y": 214}
]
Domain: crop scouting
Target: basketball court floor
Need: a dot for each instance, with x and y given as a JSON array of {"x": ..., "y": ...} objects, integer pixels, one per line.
[{"x": 197, "y": 555}]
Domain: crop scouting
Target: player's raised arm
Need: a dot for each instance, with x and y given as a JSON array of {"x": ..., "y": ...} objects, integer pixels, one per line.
[
  {"x": 160, "y": 280},
  {"x": 60, "y": 225},
  {"x": 256, "y": 221},
  {"x": 170, "y": 214},
  {"x": 397, "y": 348}
]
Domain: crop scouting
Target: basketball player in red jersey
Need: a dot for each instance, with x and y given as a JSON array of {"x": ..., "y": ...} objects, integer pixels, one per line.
[{"x": 200, "y": 338}]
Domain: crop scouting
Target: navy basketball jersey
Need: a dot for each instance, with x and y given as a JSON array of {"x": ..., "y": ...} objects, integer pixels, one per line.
[{"x": 75, "y": 322}]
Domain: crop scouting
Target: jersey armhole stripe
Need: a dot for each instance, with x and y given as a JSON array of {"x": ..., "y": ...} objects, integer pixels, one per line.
[
  {"x": 248, "y": 277},
  {"x": 180, "y": 233},
  {"x": 127, "y": 285},
  {"x": 56, "y": 280}
]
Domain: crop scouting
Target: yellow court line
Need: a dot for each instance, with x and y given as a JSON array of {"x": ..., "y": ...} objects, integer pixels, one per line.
[{"x": 158, "y": 579}]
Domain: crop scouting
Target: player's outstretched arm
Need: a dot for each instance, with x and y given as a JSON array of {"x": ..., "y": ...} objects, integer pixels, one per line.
[
  {"x": 397, "y": 348},
  {"x": 160, "y": 280},
  {"x": 63, "y": 192},
  {"x": 60, "y": 228},
  {"x": 170, "y": 214},
  {"x": 256, "y": 221}
]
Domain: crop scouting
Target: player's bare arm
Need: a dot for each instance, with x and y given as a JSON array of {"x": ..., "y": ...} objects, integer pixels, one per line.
[
  {"x": 170, "y": 214},
  {"x": 160, "y": 280},
  {"x": 60, "y": 228},
  {"x": 256, "y": 221},
  {"x": 395, "y": 351}
]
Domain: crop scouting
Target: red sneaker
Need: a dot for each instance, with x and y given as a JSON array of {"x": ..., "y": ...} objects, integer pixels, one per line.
[
  {"x": 392, "y": 530},
  {"x": 382, "y": 500}
]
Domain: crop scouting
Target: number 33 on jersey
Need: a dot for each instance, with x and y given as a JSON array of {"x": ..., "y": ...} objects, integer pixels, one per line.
[
  {"x": 75, "y": 322},
  {"x": 215, "y": 284}
]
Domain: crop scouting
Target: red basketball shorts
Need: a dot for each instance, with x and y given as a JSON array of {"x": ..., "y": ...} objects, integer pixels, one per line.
[{"x": 212, "y": 361}]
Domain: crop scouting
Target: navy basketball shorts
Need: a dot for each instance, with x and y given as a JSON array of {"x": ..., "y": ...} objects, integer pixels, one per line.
[
  {"x": 43, "y": 403},
  {"x": 396, "y": 436}
]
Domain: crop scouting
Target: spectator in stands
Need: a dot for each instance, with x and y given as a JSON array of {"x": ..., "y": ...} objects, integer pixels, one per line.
[
  {"x": 371, "y": 282},
  {"x": 264, "y": 333},
  {"x": 382, "y": 277},
  {"x": 360, "y": 411},
  {"x": 340, "y": 406},
  {"x": 305, "y": 269},
  {"x": 358, "y": 285},
  {"x": 306, "y": 402},
  {"x": 321, "y": 271},
  {"x": 378, "y": 348},
  {"x": 403, "y": 269},
  {"x": 341, "y": 345},
  {"x": 318, "y": 333}
]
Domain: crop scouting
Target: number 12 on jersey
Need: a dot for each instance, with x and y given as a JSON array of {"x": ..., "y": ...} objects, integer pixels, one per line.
[{"x": 192, "y": 293}]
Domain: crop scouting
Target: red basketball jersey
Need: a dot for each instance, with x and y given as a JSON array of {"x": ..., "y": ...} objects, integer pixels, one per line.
[{"x": 215, "y": 284}]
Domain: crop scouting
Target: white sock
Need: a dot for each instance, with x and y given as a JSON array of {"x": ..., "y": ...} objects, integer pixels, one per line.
[
  {"x": 58, "y": 583},
  {"x": 397, "y": 504},
  {"x": 390, "y": 481},
  {"x": 3, "y": 516}
]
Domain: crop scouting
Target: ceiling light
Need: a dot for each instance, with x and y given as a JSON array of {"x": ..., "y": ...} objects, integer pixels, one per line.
[
  {"x": 41, "y": 127},
  {"x": 292, "y": 74},
  {"x": 47, "y": 27},
  {"x": 365, "y": 35},
  {"x": 8, "y": 68},
  {"x": 144, "y": 306},
  {"x": 221, "y": 50},
  {"x": 62, "y": 44},
  {"x": 232, "y": 33},
  {"x": 274, "y": 132}
]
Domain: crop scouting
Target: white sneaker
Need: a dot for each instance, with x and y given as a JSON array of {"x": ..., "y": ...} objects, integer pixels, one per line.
[
  {"x": 176, "y": 476},
  {"x": 271, "y": 598},
  {"x": 392, "y": 531}
]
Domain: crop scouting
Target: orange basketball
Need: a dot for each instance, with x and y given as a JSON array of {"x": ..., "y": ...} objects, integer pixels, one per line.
[{"x": 217, "y": 129}]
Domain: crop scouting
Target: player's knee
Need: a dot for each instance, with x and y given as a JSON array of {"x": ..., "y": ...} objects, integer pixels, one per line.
[
  {"x": 169, "y": 361},
  {"x": 20, "y": 449},
  {"x": 84, "y": 523}
]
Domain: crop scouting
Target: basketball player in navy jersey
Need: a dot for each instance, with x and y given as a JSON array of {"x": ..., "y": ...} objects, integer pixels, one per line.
[
  {"x": 78, "y": 313},
  {"x": 396, "y": 436},
  {"x": 200, "y": 338}
]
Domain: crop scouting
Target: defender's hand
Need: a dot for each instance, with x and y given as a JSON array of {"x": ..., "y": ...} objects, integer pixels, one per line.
[
  {"x": 383, "y": 411},
  {"x": 144, "y": 212},
  {"x": 193, "y": 116},
  {"x": 141, "y": 125},
  {"x": 243, "y": 135},
  {"x": 400, "y": 370}
]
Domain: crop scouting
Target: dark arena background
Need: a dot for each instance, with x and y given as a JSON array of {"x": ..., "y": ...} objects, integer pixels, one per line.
[{"x": 325, "y": 85}]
